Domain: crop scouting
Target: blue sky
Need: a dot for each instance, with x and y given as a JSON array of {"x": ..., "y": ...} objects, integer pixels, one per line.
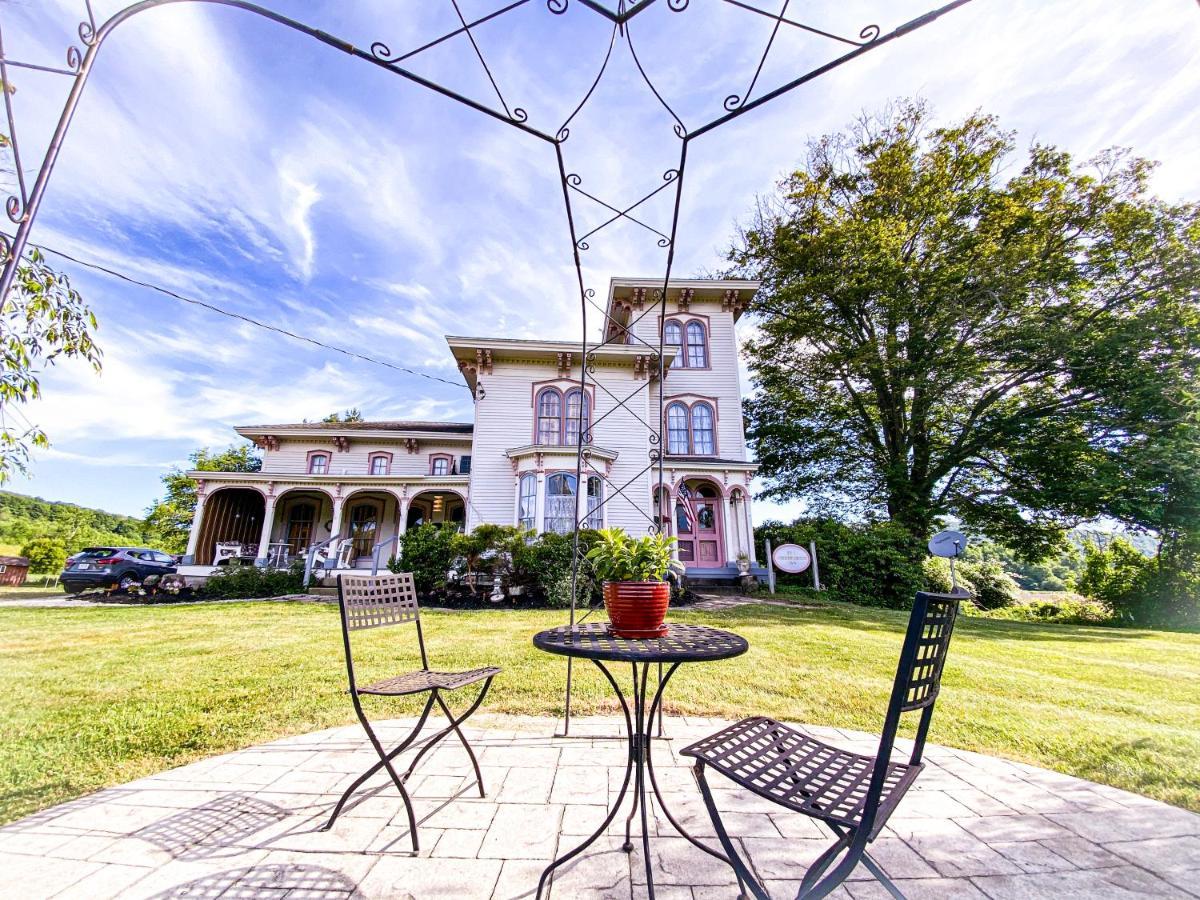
[{"x": 232, "y": 161}]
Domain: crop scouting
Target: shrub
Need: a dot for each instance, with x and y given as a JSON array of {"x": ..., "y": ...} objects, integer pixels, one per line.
[
  {"x": 428, "y": 551},
  {"x": 237, "y": 582},
  {"x": 990, "y": 586},
  {"x": 874, "y": 564},
  {"x": 1059, "y": 611},
  {"x": 46, "y": 554}
]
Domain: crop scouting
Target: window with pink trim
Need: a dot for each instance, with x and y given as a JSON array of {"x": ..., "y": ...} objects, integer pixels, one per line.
[
  {"x": 549, "y": 416},
  {"x": 380, "y": 464},
  {"x": 440, "y": 465},
  {"x": 697, "y": 346},
  {"x": 673, "y": 337},
  {"x": 577, "y": 416},
  {"x": 318, "y": 464},
  {"x": 691, "y": 429}
]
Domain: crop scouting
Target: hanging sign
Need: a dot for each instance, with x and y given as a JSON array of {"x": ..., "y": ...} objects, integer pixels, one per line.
[
  {"x": 791, "y": 558},
  {"x": 948, "y": 544}
]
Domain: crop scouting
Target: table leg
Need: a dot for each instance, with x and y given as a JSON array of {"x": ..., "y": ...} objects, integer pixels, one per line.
[
  {"x": 656, "y": 706},
  {"x": 629, "y": 763}
]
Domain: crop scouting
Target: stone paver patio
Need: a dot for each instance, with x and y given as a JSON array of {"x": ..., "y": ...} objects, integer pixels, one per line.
[{"x": 245, "y": 825}]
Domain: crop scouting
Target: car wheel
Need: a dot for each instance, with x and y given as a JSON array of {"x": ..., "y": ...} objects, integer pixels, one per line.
[
  {"x": 71, "y": 587},
  {"x": 128, "y": 581}
]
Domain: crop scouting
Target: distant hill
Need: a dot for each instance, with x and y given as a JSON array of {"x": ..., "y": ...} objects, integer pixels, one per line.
[{"x": 23, "y": 518}]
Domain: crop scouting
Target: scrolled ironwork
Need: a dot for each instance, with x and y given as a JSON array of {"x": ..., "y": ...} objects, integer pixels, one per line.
[{"x": 23, "y": 209}]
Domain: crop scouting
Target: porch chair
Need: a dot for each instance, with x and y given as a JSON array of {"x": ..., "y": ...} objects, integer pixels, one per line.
[
  {"x": 391, "y": 599},
  {"x": 854, "y": 795}
]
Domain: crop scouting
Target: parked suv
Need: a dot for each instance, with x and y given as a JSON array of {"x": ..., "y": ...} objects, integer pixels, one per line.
[{"x": 122, "y": 567}]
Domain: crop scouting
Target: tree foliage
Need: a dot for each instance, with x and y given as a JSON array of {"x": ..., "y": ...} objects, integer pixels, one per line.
[
  {"x": 45, "y": 554},
  {"x": 942, "y": 333},
  {"x": 42, "y": 319},
  {"x": 170, "y": 517},
  {"x": 26, "y": 519}
]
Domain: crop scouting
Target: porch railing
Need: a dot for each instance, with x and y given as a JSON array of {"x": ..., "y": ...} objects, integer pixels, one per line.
[{"x": 394, "y": 540}]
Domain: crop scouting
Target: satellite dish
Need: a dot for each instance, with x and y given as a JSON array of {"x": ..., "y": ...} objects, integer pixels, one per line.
[{"x": 948, "y": 544}]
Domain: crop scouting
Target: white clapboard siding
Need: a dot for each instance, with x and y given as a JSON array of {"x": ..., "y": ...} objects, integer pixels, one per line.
[
  {"x": 292, "y": 456},
  {"x": 504, "y": 420},
  {"x": 719, "y": 381}
]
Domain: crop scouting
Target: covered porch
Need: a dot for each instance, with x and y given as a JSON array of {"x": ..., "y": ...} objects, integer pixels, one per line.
[{"x": 272, "y": 524}]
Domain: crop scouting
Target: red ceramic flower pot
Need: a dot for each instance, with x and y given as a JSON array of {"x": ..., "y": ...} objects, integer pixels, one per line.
[{"x": 636, "y": 608}]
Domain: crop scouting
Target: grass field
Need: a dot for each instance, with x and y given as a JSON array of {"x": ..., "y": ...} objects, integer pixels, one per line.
[{"x": 95, "y": 697}]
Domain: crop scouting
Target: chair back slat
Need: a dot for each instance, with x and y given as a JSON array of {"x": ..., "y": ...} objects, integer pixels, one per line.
[
  {"x": 373, "y": 601},
  {"x": 929, "y": 631}
]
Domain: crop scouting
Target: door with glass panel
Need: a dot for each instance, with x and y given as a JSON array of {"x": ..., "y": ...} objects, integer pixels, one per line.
[
  {"x": 301, "y": 519},
  {"x": 698, "y": 525},
  {"x": 364, "y": 527}
]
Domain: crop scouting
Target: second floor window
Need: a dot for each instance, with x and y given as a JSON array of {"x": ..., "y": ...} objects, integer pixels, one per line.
[
  {"x": 379, "y": 465},
  {"x": 561, "y": 417},
  {"x": 318, "y": 464},
  {"x": 690, "y": 343},
  {"x": 549, "y": 416},
  {"x": 439, "y": 465},
  {"x": 691, "y": 430}
]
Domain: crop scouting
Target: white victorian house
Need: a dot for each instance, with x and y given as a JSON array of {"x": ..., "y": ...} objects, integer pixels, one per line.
[{"x": 365, "y": 483}]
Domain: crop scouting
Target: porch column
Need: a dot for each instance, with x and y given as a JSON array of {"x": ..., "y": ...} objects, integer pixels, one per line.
[
  {"x": 194, "y": 532},
  {"x": 268, "y": 526},
  {"x": 736, "y": 525},
  {"x": 730, "y": 540},
  {"x": 402, "y": 524},
  {"x": 749, "y": 529},
  {"x": 335, "y": 526}
]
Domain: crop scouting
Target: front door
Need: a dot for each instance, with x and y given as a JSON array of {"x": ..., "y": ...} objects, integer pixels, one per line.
[
  {"x": 364, "y": 525},
  {"x": 300, "y": 527},
  {"x": 698, "y": 526}
]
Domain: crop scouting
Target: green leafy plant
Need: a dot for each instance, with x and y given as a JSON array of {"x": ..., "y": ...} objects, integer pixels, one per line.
[{"x": 618, "y": 557}]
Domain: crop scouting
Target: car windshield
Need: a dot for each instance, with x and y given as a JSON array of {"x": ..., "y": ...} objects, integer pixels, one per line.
[{"x": 97, "y": 553}]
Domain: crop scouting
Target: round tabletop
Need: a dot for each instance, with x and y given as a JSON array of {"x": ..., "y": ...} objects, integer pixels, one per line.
[{"x": 682, "y": 643}]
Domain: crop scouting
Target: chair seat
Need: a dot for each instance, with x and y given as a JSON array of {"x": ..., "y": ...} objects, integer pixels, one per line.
[
  {"x": 426, "y": 680},
  {"x": 799, "y": 772}
]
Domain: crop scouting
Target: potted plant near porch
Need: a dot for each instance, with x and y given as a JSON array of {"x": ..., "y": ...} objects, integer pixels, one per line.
[{"x": 633, "y": 570}]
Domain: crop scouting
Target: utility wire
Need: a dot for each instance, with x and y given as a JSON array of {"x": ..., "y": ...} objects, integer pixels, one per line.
[{"x": 233, "y": 315}]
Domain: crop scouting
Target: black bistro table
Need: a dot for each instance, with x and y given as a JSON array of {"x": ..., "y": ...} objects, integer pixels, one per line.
[{"x": 682, "y": 643}]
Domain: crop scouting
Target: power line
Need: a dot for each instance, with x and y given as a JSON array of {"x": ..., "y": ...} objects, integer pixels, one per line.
[{"x": 243, "y": 318}]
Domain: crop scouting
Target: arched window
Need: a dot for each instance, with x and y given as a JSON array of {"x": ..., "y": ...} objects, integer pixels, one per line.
[
  {"x": 673, "y": 337},
  {"x": 549, "y": 416},
  {"x": 571, "y": 426},
  {"x": 677, "y": 428},
  {"x": 527, "y": 502},
  {"x": 703, "y": 440},
  {"x": 318, "y": 464},
  {"x": 697, "y": 346},
  {"x": 560, "y": 503},
  {"x": 439, "y": 465},
  {"x": 595, "y": 496}
]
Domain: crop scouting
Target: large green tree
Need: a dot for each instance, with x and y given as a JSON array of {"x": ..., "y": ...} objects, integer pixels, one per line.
[
  {"x": 944, "y": 328},
  {"x": 170, "y": 518}
]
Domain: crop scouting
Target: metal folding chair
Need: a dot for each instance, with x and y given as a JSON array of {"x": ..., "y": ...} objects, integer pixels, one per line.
[
  {"x": 375, "y": 602},
  {"x": 852, "y": 794}
]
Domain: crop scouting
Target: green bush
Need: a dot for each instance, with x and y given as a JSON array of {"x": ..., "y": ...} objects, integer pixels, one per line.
[
  {"x": 238, "y": 582},
  {"x": 873, "y": 564},
  {"x": 542, "y": 564},
  {"x": 428, "y": 551},
  {"x": 46, "y": 554},
  {"x": 1061, "y": 611},
  {"x": 990, "y": 586}
]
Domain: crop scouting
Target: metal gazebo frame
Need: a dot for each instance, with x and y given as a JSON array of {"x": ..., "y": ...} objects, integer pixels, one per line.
[{"x": 22, "y": 207}]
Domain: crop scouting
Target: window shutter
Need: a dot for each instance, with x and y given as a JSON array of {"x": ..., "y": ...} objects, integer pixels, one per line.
[{"x": 464, "y": 465}]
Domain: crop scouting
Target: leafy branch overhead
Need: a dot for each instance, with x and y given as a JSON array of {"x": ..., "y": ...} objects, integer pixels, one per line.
[
  {"x": 940, "y": 332},
  {"x": 42, "y": 319}
]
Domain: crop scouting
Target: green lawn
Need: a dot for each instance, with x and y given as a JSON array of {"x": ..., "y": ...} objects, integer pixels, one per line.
[{"x": 95, "y": 697}]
